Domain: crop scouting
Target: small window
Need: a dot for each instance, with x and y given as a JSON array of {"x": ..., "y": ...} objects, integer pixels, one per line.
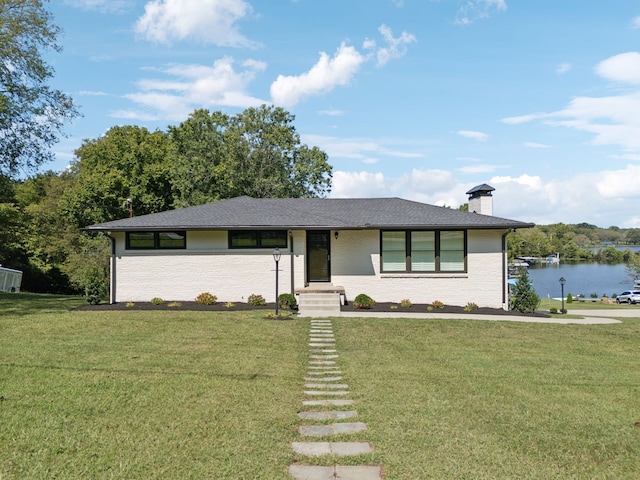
[
  {"x": 155, "y": 240},
  {"x": 257, "y": 239}
]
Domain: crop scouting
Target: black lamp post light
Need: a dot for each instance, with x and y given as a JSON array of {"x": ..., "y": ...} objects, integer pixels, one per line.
[
  {"x": 562, "y": 282},
  {"x": 276, "y": 257}
]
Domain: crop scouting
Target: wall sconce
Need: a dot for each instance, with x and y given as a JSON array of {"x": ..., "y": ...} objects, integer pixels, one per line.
[{"x": 336, "y": 234}]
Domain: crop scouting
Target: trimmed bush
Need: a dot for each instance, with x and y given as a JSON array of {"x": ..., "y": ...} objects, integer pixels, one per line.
[
  {"x": 553, "y": 310},
  {"x": 470, "y": 307},
  {"x": 206, "y": 298},
  {"x": 288, "y": 301},
  {"x": 256, "y": 300},
  {"x": 363, "y": 301},
  {"x": 437, "y": 304},
  {"x": 157, "y": 301},
  {"x": 406, "y": 303}
]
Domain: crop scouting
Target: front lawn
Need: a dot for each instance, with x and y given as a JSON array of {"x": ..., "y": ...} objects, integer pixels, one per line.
[{"x": 182, "y": 394}]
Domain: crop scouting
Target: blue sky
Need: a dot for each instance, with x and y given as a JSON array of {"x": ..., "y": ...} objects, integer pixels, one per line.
[{"x": 419, "y": 99}]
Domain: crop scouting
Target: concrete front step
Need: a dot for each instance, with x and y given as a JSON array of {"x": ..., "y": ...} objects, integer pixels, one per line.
[{"x": 318, "y": 305}]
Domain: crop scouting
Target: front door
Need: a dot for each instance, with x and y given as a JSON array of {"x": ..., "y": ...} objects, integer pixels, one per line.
[{"x": 318, "y": 256}]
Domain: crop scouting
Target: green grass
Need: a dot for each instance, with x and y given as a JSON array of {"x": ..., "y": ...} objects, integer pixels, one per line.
[
  {"x": 145, "y": 395},
  {"x": 484, "y": 400}
]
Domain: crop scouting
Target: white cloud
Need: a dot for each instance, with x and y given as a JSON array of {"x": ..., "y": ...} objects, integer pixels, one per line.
[
  {"x": 563, "y": 68},
  {"x": 536, "y": 145},
  {"x": 523, "y": 118},
  {"x": 207, "y": 21},
  {"x": 358, "y": 185},
  {"x": 397, "y": 47},
  {"x": 323, "y": 77},
  {"x": 635, "y": 23},
  {"x": 473, "y": 10},
  {"x": 624, "y": 68},
  {"x": 595, "y": 197},
  {"x": 477, "y": 168},
  {"x": 194, "y": 86},
  {"x": 365, "y": 150},
  {"x": 92, "y": 93},
  {"x": 479, "y": 136},
  {"x": 339, "y": 70}
]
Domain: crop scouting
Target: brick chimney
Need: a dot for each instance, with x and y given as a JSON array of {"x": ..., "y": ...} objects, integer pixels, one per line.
[{"x": 481, "y": 200}]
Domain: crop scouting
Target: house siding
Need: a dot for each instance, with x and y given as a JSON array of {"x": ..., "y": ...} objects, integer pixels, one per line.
[
  {"x": 207, "y": 265},
  {"x": 356, "y": 267}
]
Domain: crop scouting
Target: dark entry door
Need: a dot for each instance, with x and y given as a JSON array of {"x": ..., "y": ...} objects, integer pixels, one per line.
[{"x": 318, "y": 256}]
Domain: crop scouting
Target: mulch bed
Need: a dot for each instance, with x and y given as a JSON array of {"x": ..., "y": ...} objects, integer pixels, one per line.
[{"x": 270, "y": 307}]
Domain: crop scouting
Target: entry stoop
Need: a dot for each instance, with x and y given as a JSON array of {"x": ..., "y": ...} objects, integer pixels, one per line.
[{"x": 319, "y": 301}]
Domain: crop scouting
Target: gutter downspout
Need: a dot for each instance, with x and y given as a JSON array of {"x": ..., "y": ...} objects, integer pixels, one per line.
[
  {"x": 293, "y": 289},
  {"x": 505, "y": 286},
  {"x": 112, "y": 270}
]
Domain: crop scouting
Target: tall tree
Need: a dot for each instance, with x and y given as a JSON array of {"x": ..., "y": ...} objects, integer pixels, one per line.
[
  {"x": 125, "y": 163},
  {"x": 32, "y": 113},
  {"x": 256, "y": 153}
]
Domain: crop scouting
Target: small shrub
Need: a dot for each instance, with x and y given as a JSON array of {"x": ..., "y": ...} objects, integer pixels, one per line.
[
  {"x": 256, "y": 300},
  {"x": 229, "y": 305},
  {"x": 470, "y": 307},
  {"x": 437, "y": 304},
  {"x": 563, "y": 310},
  {"x": 569, "y": 298},
  {"x": 429, "y": 308},
  {"x": 393, "y": 307},
  {"x": 174, "y": 305},
  {"x": 130, "y": 304},
  {"x": 363, "y": 301},
  {"x": 205, "y": 298},
  {"x": 553, "y": 310},
  {"x": 157, "y": 301},
  {"x": 287, "y": 300},
  {"x": 406, "y": 303},
  {"x": 594, "y": 295}
]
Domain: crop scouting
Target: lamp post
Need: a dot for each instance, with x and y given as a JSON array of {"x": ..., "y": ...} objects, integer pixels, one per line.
[
  {"x": 276, "y": 257},
  {"x": 562, "y": 282}
]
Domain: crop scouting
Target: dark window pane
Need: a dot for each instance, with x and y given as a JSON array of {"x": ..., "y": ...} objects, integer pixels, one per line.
[
  {"x": 273, "y": 238},
  {"x": 244, "y": 239},
  {"x": 140, "y": 240},
  {"x": 171, "y": 240}
]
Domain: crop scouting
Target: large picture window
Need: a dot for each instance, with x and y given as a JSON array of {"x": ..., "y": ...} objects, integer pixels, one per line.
[
  {"x": 156, "y": 240},
  {"x": 423, "y": 251},
  {"x": 257, "y": 238}
]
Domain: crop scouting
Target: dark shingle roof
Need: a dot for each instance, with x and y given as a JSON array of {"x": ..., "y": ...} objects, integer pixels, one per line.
[{"x": 309, "y": 213}]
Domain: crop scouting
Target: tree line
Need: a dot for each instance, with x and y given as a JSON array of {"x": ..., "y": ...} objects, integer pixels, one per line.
[
  {"x": 580, "y": 241},
  {"x": 208, "y": 157}
]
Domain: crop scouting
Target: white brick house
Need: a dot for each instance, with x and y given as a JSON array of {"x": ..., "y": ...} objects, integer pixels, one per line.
[{"x": 388, "y": 248}]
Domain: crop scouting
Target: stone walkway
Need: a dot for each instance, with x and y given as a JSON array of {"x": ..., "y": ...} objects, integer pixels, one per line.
[{"x": 325, "y": 387}]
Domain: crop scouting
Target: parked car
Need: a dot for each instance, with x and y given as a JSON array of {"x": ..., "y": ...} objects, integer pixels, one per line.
[{"x": 629, "y": 296}]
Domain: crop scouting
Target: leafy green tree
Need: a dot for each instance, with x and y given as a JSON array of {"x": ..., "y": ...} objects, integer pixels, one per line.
[
  {"x": 125, "y": 163},
  {"x": 524, "y": 298},
  {"x": 32, "y": 114},
  {"x": 256, "y": 153}
]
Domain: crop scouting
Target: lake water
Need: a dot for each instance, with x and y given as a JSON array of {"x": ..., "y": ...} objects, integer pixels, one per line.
[{"x": 585, "y": 278}]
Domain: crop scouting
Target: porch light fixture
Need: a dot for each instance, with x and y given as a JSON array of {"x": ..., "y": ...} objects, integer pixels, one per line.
[
  {"x": 336, "y": 234},
  {"x": 562, "y": 282},
  {"x": 276, "y": 258}
]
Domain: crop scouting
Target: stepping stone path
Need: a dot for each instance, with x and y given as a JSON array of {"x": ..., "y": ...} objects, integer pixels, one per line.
[{"x": 324, "y": 379}]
